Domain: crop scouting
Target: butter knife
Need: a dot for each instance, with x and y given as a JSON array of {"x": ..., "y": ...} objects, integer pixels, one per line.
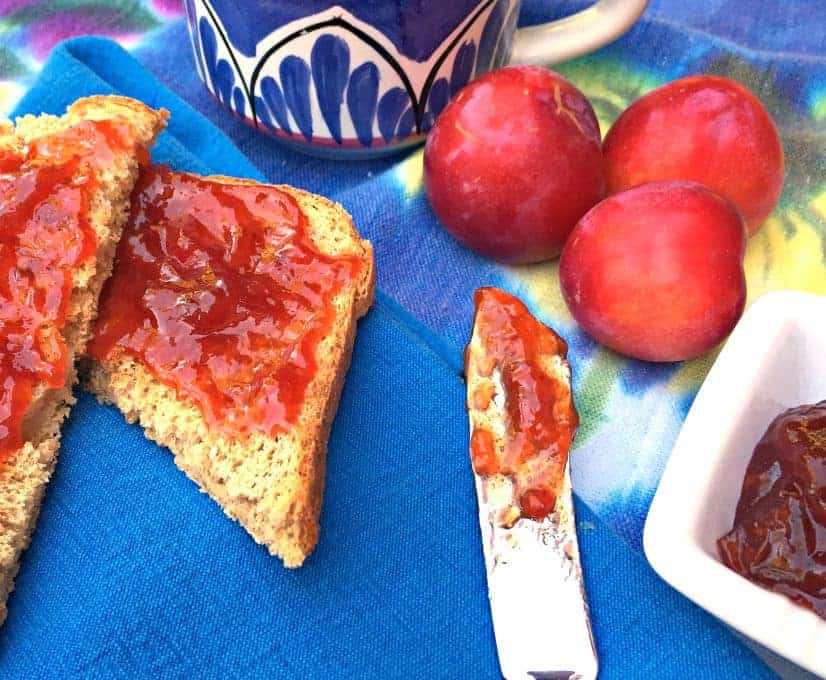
[{"x": 522, "y": 421}]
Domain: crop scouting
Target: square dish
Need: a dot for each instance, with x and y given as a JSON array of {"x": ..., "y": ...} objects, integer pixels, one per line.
[{"x": 775, "y": 359}]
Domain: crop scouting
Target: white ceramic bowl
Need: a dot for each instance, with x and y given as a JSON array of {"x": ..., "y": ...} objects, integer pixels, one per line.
[{"x": 775, "y": 359}]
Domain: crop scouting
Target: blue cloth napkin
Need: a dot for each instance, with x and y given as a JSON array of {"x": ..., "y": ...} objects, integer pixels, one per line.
[{"x": 134, "y": 573}]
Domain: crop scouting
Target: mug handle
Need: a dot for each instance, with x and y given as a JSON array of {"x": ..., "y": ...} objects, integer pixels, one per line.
[{"x": 578, "y": 34}]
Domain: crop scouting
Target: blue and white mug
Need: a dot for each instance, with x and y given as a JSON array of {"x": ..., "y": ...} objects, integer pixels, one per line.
[{"x": 363, "y": 77}]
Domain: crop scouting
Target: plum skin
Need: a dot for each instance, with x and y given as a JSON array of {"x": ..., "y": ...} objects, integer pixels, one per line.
[
  {"x": 706, "y": 129},
  {"x": 513, "y": 162},
  {"x": 656, "y": 272}
]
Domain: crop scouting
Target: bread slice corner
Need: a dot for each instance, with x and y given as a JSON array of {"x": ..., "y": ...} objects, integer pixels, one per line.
[{"x": 24, "y": 476}]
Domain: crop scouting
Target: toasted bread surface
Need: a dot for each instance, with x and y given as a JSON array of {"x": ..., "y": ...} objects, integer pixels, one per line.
[
  {"x": 271, "y": 484},
  {"x": 24, "y": 476}
]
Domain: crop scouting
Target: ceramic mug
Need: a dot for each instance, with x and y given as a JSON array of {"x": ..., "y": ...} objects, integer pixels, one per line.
[{"x": 364, "y": 77}]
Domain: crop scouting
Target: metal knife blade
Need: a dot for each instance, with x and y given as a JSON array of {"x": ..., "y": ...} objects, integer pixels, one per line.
[
  {"x": 535, "y": 587},
  {"x": 522, "y": 420}
]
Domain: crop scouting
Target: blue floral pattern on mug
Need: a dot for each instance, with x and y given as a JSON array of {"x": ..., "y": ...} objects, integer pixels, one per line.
[{"x": 333, "y": 80}]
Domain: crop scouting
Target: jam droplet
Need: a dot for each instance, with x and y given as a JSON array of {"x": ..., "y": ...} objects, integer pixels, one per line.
[
  {"x": 45, "y": 189},
  {"x": 779, "y": 535},
  {"x": 483, "y": 395},
  {"x": 540, "y": 419},
  {"x": 483, "y": 452},
  {"x": 537, "y": 503},
  {"x": 219, "y": 291}
]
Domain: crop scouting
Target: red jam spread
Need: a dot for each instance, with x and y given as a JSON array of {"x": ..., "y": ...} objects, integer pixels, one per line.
[
  {"x": 220, "y": 293},
  {"x": 540, "y": 419},
  {"x": 44, "y": 194},
  {"x": 779, "y": 536}
]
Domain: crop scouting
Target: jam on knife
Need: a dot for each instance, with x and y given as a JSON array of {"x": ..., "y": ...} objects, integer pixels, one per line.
[
  {"x": 517, "y": 367},
  {"x": 45, "y": 189},
  {"x": 522, "y": 422},
  {"x": 220, "y": 293},
  {"x": 778, "y": 540}
]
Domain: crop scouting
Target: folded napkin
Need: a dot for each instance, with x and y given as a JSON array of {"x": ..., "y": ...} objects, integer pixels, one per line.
[{"x": 133, "y": 572}]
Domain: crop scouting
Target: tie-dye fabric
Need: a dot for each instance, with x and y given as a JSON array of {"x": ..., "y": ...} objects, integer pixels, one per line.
[{"x": 631, "y": 411}]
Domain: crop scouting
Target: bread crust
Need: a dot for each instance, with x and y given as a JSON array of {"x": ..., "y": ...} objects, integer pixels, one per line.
[
  {"x": 24, "y": 476},
  {"x": 272, "y": 486}
]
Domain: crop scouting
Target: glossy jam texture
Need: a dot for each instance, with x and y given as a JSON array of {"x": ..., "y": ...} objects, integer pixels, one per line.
[
  {"x": 779, "y": 536},
  {"x": 45, "y": 189},
  {"x": 219, "y": 291},
  {"x": 539, "y": 414}
]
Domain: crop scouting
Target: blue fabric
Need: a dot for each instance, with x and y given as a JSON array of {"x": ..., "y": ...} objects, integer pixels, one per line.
[{"x": 134, "y": 573}]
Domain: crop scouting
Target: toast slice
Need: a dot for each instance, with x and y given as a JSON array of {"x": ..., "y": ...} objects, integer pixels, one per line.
[
  {"x": 264, "y": 469},
  {"x": 65, "y": 184}
]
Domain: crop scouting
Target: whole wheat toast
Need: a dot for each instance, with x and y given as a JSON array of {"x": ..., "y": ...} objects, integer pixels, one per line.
[
  {"x": 25, "y": 473},
  {"x": 271, "y": 484}
]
